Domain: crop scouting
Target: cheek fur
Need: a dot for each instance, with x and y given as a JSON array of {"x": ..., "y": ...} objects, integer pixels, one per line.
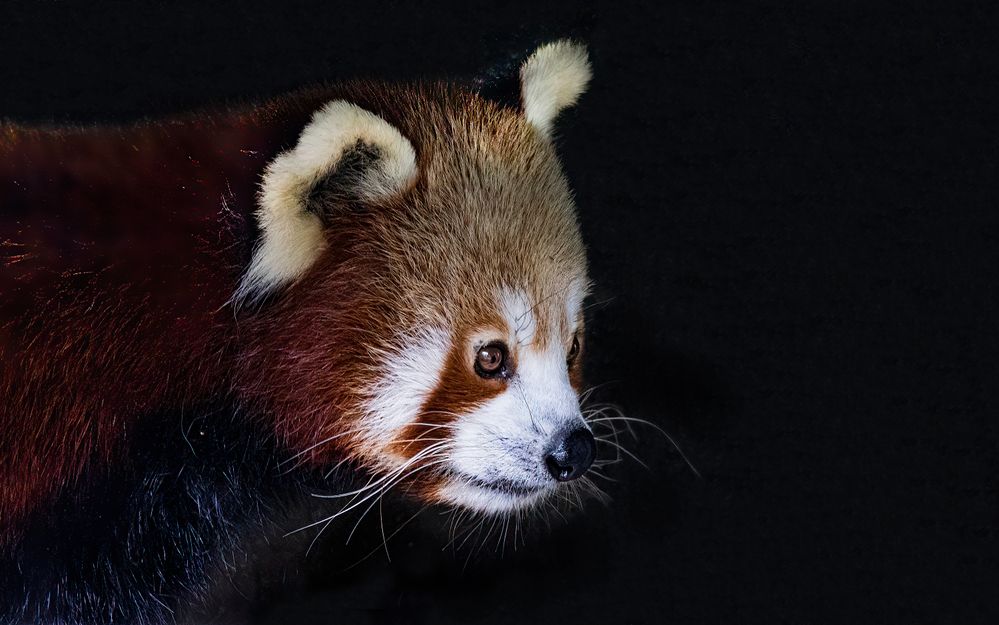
[
  {"x": 308, "y": 357},
  {"x": 410, "y": 373},
  {"x": 459, "y": 391},
  {"x": 501, "y": 440}
]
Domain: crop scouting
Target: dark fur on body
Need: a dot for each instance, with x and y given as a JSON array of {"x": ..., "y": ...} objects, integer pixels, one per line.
[{"x": 140, "y": 541}]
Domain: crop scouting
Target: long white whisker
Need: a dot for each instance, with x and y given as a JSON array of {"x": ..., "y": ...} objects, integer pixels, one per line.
[
  {"x": 623, "y": 449},
  {"x": 657, "y": 428},
  {"x": 385, "y": 540},
  {"x": 416, "y": 458},
  {"x": 352, "y": 504},
  {"x": 311, "y": 447},
  {"x": 387, "y": 488}
]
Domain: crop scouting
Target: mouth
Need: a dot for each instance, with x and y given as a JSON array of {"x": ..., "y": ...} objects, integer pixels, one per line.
[
  {"x": 491, "y": 496},
  {"x": 506, "y": 487}
]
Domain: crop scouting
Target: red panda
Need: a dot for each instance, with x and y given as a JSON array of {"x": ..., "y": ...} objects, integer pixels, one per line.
[{"x": 391, "y": 276}]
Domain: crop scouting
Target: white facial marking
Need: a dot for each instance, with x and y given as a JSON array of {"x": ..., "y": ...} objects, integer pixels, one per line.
[
  {"x": 499, "y": 449},
  {"x": 409, "y": 375}
]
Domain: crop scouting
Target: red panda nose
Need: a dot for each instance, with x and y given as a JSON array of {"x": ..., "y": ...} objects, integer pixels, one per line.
[{"x": 572, "y": 456}]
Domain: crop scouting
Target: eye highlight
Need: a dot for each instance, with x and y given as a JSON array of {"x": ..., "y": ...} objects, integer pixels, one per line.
[{"x": 491, "y": 361}]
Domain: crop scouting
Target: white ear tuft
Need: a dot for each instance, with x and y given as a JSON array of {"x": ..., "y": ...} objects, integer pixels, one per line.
[
  {"x": 551, "y": 79},
  {"x": 291, "y": 236}
]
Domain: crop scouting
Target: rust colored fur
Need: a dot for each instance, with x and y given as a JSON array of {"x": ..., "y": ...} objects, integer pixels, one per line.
[
  {"x": 120, "y": 249},
  {"x": 117, "y": 248}
]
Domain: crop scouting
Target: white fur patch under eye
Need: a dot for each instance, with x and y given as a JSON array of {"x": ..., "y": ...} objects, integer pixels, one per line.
[
  {"x": 409, "y": 373},
  {"x": 292, "y": 238},
  {"x": 551, "y": 79}
]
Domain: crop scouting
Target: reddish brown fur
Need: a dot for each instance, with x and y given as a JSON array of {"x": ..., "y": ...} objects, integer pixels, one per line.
[
  {"x": 120, "y": 248},
  {"x": 312, "y": 379},
  {"x": 116, "y": 252}
]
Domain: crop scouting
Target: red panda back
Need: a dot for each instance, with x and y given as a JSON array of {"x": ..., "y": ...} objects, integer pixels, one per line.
[{"x": 118, "y": 247}]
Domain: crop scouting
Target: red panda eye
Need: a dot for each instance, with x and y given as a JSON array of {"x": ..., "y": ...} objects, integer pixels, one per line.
[
  {"x": 573, "y": 351},
  {"x": 490, "y": 361}
]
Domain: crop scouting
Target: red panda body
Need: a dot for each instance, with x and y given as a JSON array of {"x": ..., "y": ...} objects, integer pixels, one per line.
[
  {"x": 386, "y": 276},
  {"x": 120, "y": 250}
]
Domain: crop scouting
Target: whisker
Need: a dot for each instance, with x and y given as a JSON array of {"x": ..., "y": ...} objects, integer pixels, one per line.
[
  {"x": 352, "y": 504},
  {"x": 435, "y": 448},
  {"x": 390, "y": 536},
  {"x": 623, "y": 449},
  {"x": 601, "y": 475},
  {"x": 658, "y": 429},
  {"x": 381, "y": 493},
  {"x": 311, "y": 447}
]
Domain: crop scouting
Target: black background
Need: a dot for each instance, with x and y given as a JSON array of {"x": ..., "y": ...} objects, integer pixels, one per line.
[{"x": 791, "y": 214}]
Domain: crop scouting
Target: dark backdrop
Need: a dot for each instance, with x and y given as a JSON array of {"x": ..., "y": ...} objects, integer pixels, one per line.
[{"x": 791, "y": 214}]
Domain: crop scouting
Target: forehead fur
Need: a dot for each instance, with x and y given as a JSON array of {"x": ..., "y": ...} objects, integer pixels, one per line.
[{"x": 491, "y": 209}]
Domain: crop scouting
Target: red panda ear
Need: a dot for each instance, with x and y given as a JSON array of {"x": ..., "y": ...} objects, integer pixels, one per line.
[
  {"x": 551, "y": 79},
  {"x": 344, "y": 153}
]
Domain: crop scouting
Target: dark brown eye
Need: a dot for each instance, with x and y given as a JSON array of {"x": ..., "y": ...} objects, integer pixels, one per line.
[
  {"x": 573, "y": 351},
  {"x": 490, "y": 361}
]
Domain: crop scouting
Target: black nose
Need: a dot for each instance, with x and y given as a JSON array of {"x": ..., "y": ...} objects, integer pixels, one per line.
[{"x": 573, "y": 455}]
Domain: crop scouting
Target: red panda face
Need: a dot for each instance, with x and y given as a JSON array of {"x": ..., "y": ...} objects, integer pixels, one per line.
[
  {"x": 526, "y": 434},
  {"x": 430, "y": 326},
  {"x": 499, "y": 424}
]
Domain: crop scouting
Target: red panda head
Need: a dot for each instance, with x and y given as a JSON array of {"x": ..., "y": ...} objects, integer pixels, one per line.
[{"x": 425, "y": 276}]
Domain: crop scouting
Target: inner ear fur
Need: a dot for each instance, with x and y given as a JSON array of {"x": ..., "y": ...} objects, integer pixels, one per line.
[{"x": 346, "y": 182}]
